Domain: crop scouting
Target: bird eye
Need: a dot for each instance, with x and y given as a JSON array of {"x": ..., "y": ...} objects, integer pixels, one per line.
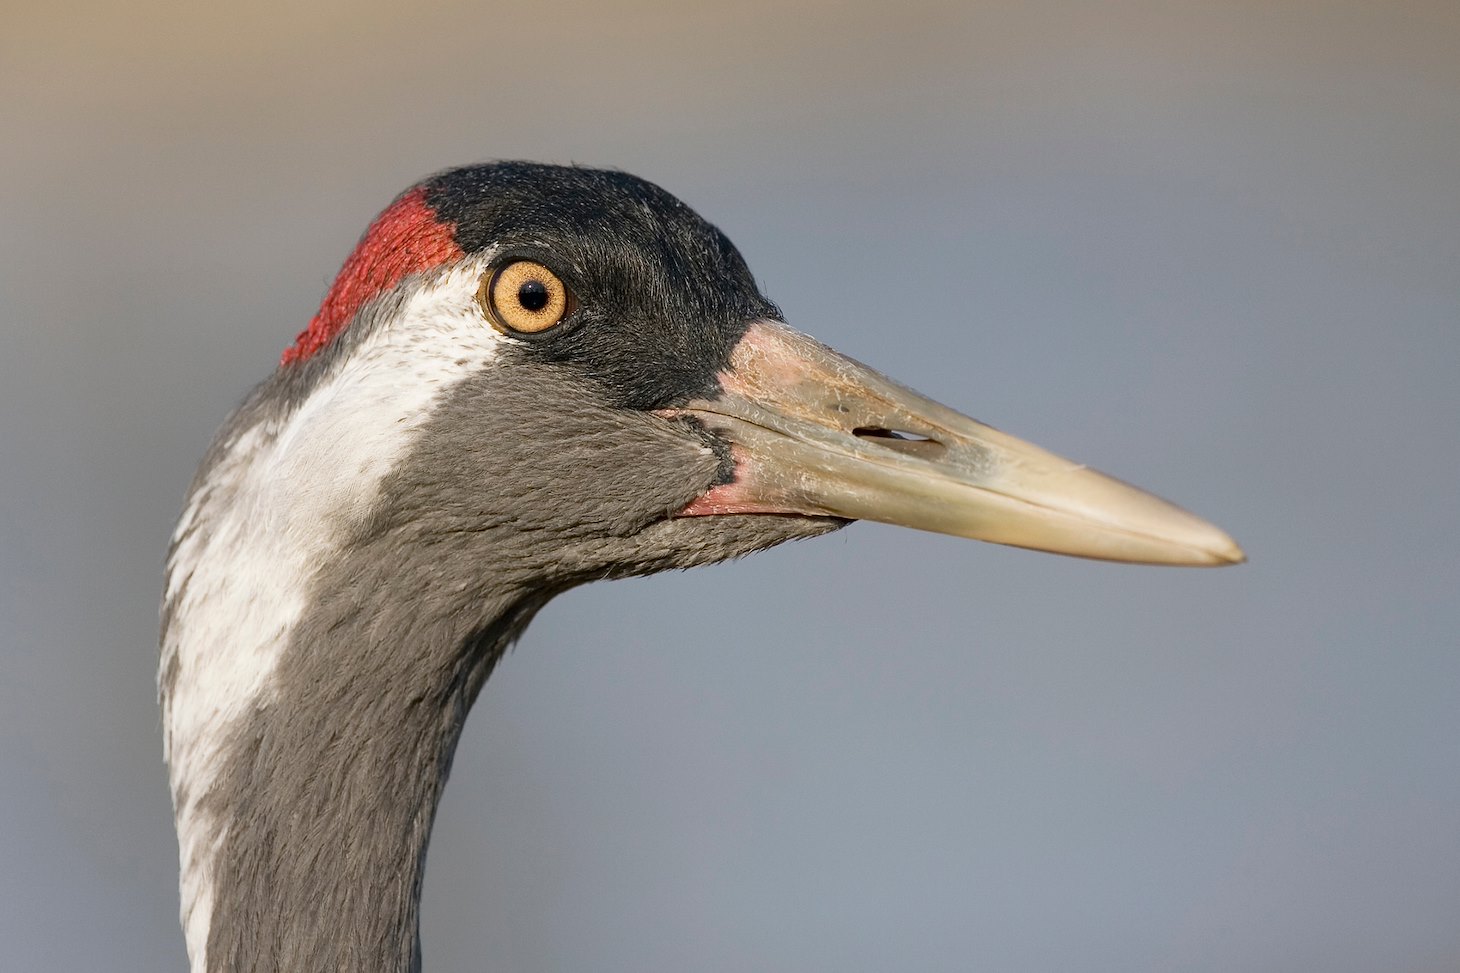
[{"x": 524, "y": 297}]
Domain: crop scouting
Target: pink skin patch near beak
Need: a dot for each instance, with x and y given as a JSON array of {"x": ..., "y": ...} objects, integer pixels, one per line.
[
  {"x": 760, "y": 361},
  {"x": 736, "y": 497}
]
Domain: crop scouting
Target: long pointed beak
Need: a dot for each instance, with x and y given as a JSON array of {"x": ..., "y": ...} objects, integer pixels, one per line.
[{"x": 813, "y": 432}]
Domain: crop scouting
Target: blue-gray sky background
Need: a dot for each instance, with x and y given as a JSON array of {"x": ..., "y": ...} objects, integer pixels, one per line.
[{"x": 1212, "y": 248}]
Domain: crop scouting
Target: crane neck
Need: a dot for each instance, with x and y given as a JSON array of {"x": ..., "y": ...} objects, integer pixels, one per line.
[{"x": 320, "y": 811}]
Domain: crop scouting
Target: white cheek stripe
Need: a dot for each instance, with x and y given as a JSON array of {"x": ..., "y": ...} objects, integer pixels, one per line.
[{"x": 269, "y": 511}]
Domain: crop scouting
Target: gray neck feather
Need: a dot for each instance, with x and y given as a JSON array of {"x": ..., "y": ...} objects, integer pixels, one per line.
[{"x": 329, "y": 791}]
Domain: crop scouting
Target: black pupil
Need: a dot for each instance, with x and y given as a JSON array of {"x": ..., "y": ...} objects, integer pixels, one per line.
[{"x": 533, "y": 295}]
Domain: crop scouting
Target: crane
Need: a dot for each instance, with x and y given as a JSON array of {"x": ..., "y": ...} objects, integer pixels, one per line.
[{"x": 524, "y": 378}]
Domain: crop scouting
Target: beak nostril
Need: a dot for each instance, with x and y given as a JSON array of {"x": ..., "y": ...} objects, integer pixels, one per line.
[
  {"x": 877, "y": 432},
  {"x": 901, "y": 441}
]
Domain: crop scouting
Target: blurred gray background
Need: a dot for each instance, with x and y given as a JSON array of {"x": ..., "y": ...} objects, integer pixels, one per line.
[{"x": 1212, "y": 248}]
